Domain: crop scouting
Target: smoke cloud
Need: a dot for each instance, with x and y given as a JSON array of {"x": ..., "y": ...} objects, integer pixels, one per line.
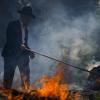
[
  {"x": 56, "y": 33},
  {"x": 62, "y": 29}
]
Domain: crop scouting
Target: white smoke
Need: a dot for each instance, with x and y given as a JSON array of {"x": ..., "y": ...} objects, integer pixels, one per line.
[{"x": 59, "y": 30}]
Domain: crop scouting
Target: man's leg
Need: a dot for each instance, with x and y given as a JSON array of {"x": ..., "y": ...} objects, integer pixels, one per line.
[
  {"x": 9, "y": 69},
  {"x": 24, "y": 71}
]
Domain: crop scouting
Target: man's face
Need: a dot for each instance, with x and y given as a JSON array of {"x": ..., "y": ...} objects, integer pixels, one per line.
[{"x": 26, "y": 19}]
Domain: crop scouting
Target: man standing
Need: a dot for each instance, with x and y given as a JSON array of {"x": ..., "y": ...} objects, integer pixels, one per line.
[{"x": 14, "y": 52}]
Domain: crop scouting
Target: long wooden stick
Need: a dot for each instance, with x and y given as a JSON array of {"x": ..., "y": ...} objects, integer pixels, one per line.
[{"x": 82, "y": 69}]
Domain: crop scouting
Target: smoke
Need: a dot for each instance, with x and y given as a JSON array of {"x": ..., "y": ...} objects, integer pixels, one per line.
[
  {"x": 56, "y": 33},
  {"x": 62, "y": 29}
]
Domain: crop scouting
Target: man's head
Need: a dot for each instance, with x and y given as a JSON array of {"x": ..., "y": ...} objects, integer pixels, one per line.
[{"x": 26, "y": 15}]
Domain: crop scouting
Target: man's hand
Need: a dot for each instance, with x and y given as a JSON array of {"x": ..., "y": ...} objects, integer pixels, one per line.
[
  {"x": 32, "y": 55},
  {"x": 28, "y": 51}
]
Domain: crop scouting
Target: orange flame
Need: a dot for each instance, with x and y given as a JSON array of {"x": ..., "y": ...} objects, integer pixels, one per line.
[{"x": 52, "y": 87}]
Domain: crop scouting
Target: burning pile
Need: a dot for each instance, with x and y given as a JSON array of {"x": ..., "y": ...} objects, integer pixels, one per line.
[{"x": 51, "y": 89}]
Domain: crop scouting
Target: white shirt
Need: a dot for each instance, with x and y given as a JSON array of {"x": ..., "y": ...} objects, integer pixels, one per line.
[{"x": 23, "y": 32}]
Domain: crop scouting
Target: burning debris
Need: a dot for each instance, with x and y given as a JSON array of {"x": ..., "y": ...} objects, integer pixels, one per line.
[
  {"x": 51, "y": 89},
  {"x": 12, "y": 94}
]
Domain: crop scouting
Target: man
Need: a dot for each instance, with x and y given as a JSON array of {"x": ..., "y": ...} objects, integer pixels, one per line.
[{"x": 14, "y": 52}]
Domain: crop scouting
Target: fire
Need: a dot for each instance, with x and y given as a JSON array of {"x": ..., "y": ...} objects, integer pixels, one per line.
[{"x": 51, "y": 87}]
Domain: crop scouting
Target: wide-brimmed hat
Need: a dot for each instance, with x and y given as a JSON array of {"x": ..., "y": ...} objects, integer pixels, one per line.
[{"x": 27, "y": 10}]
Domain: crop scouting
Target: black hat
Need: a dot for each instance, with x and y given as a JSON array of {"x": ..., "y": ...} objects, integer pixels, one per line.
[{"x": 27, "y": 10}]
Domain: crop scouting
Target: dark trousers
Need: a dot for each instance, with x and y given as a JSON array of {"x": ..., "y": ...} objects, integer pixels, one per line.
[{"x": 10, "y": 64}]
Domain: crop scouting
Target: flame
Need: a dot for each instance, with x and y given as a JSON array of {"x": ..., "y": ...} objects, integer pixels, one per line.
[{"x": 52, "y": 87}]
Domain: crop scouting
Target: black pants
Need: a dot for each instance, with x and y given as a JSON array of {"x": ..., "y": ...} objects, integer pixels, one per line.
[{"x": 10, "y": 64}]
